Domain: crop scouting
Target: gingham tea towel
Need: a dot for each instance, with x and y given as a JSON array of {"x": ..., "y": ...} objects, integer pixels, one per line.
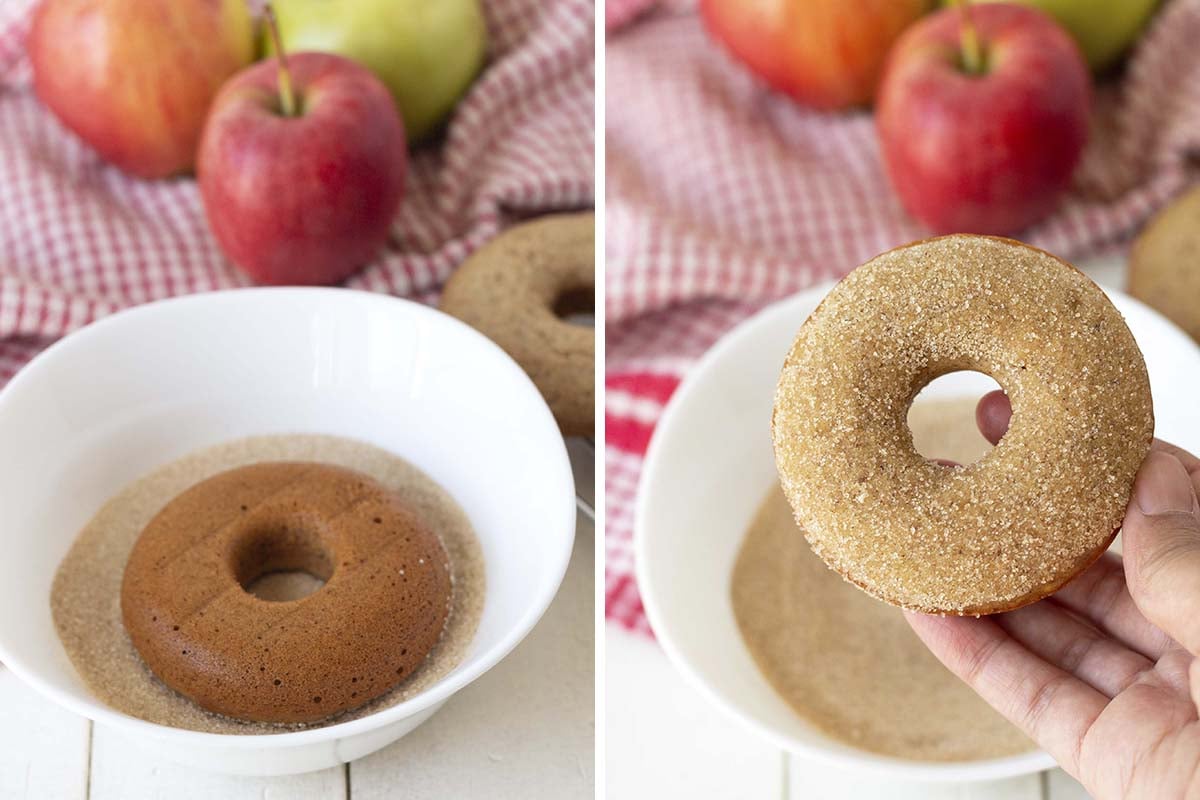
[{"x": 79, "y": 239}]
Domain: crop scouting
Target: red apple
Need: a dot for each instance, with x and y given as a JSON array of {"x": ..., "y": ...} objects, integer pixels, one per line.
[
  {"x": 988, "y": 149},
  {"x": 307, "y": 197},
  {"x": 134, "y": 78},
  {"x": 825, "y": 53}
]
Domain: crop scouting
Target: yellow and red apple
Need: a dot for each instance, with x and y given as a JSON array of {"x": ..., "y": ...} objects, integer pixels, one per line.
[
  {"x": 826, "y": 54},
  {"x": 134, "y": 78},
  {"x": 301, "y": 182},
  {"x": 987, "y": 147}
]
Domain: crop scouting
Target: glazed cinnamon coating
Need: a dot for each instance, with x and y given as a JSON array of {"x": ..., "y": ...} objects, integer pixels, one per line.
[{"x": 1034, "y": 512}]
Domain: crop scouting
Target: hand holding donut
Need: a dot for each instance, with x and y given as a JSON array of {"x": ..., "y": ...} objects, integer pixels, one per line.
[{"x": 1104, "y": 674}]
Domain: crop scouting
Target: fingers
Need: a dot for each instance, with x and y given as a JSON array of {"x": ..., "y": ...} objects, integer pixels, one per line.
[
  {"x": 1101, "y": 596},
  {"x": 993, "y": 414},
  {"x": 1054, "y": 708},
  {"x": 1191, "y": 464},
  {"x": 1058, "y": 636},
  {"x": 1162, "y": 548}
]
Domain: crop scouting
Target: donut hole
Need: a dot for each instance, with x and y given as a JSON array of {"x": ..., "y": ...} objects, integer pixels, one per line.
[
  {"x": 576, "y": 305},
  {"x": 952, "y": 397},
  {"x": 282, "y": 586},
  {"x": 282, "y": 561}
]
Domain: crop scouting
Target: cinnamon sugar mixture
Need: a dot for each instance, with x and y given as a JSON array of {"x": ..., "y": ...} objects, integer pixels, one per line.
[{"x": 847, "y": 662}]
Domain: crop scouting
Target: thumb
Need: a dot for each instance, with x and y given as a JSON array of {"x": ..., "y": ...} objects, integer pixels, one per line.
[{"x": 1162, "y": 548}]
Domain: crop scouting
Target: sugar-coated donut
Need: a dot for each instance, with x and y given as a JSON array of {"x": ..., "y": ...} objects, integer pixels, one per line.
[
  {"x": 1164, "y": 265},
  {"x": 514, "y": 289},
  {"x": 382, "y": 609},
  {"x": 1042, "y": 505}
]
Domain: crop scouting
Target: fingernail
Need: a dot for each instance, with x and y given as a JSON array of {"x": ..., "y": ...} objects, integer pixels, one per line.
[{"x": 1163, "y": 486}]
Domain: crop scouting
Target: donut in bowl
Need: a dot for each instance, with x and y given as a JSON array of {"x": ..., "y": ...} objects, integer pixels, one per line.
[{"x": 187, "y": 608}]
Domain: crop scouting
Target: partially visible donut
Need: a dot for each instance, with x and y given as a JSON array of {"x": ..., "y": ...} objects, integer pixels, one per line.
[
  {"x": 382, "y": 609},
  {"x": 516, "y": 290},
  {"x": 1164, "y": 265},
  {"x": 1042, "y": 505}
]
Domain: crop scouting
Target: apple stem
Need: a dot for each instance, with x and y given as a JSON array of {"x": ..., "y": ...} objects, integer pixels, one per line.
[
  {"x": 972, "y": 53},
  {"x": 287, "y": 97}
]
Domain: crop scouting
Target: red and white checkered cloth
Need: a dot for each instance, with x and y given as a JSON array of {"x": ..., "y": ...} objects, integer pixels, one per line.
[
  {"x": 79, "y": 239},
  {"x": 621, "y": 12},
  {"x": 722, "y": 196}
]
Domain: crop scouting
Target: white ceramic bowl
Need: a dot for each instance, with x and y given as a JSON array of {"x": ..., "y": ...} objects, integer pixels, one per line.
[
  {"x": 710, "y": 464},
  {"x": 148, "y": 385}
]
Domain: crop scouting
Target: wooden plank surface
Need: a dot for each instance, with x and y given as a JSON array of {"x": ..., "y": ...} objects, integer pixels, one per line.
[
  {"x": 43, "y": 748},
  {"x": 809, "y": 782},
  {"x": 665, "y": 740},
  {"x": 121, "y": 770}
]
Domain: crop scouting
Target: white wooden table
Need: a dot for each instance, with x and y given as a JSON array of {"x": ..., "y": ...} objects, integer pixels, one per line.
[
  {"x": 526, "y": 729},
  {"x": 663, "y": 739}
]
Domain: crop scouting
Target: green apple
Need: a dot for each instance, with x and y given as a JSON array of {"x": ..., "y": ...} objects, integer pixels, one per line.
[
  {"x": 1104, "y": 29},
  {"x": 427, "y": 53}
]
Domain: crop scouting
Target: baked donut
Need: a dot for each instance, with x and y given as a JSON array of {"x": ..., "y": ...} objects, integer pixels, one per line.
[
  {"x": 1042, "y": 505},
  {"x": 1164, "y": 266},
  {"x": 382, "y": 608},
  {"x": 518, "y": 288}
]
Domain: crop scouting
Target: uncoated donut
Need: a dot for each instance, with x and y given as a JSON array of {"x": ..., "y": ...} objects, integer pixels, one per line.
[{"x": 382, "y": 609}]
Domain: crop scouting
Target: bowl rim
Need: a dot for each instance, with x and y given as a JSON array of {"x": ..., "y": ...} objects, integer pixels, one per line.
[
  {"x": 463, "y": 674},
  {"x": 1029, "y": 762}
]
